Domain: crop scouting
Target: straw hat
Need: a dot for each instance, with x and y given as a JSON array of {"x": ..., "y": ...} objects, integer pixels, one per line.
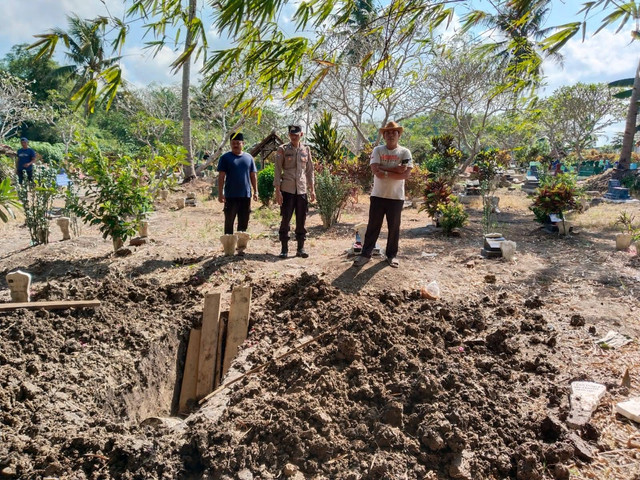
[{"x": 391, "y": 126}]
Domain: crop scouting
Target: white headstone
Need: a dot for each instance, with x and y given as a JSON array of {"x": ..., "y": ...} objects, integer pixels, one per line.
[
  {"x": 586, "y": 395},
  {"x": 19, "y": 283}
]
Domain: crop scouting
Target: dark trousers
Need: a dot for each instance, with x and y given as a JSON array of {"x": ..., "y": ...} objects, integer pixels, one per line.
[
  {"x": 292, "y": 202},
  {"x": 22, "y": 172},
  {"x": 236, "y": 207},
  {"x": 377, "y": 210}
]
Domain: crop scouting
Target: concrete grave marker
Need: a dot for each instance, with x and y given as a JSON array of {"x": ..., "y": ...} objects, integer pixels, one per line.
[
  {"x": 63, "y": 223},
  {"x": 630, "y": 409},
  {"x": 19, "y": 283},
  {"x": 585, "y": 397}
]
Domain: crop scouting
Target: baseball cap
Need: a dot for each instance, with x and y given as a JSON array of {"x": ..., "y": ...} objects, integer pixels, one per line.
[
  {"x": 24, "y": 139},
  {"x": 237, "y": 136},
  {"x": 295, "y": 129}
]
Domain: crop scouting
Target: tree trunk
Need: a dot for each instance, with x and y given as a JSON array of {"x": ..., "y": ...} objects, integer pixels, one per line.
[
  {"x": 189, "y": 169},
  {"x": 630, "y": 127}
]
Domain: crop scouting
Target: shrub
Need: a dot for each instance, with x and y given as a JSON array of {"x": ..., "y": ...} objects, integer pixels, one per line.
[
  {"x": 415, "y": 184},
  {"x": 558, "y": 195},
  {"x": 115, "y": 198},
  {"x": 37, "y": 199},
  {"x": 265, "y": 184},
  {"x": 624, "y": 222},
  {"x": 327, "y": 144},
  {"x": 332, "y": 193},
  {"x": 357, "y": 170},
  {"x": 444, "y": 159},
  {"x": 164, "y": 166},
  {"x": 452, "y": 215},
  {"x": 436, "y": 192},
  {"x": 632, "y": 182},
  {"x": 8, "y": 200},
  {"x": 51, "y": 153}
]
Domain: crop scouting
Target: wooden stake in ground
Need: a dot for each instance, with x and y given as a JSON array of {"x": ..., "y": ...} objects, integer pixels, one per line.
[
  {"x": 190, "y": 376},
  {"x": 238, "y": 324},
  {"x": 208, "y": 344}
]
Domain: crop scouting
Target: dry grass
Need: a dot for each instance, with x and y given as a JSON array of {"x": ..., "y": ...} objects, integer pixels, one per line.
[{"x": 603, "y": 216}]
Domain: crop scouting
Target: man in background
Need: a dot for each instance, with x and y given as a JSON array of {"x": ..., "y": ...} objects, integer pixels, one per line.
[{"x": 25, "y": 161}]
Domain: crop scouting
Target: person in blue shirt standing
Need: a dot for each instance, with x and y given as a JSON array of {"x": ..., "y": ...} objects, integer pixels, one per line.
[
  {"x": 25, "y": 161},
  {"x": 236, "y": 178}
]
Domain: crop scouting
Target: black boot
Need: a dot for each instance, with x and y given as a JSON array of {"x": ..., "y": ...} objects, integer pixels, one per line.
[
  {"x": 285, "y": 250},
  {"x": 300, "y": 252}
]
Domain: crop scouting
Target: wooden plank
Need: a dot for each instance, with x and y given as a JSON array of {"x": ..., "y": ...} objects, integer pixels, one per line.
[
  {"x": 208, "y": 344},
  {"x": 50, "y": 305},
  {"x": 238, "y": 324},
  {"x": 190, "y": 376}
]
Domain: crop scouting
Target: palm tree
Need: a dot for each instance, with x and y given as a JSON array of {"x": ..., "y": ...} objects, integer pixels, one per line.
[
  {"x": 518, "y": 24},
  {"x": 90, "y": 65}
]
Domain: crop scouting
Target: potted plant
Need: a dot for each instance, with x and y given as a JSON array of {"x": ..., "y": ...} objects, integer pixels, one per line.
[{"x": 624, "y": 222}]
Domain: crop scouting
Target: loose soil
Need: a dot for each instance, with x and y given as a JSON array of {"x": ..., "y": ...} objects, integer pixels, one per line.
[{"x": 473, "y": 385}]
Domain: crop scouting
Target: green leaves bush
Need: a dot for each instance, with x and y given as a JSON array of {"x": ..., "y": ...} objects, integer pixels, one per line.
[
  {"x": 332, "y": 193},
  {"x": 557, "y": 195},
  {"x": 452, "y": 215},
  {"x": 115, "y": 197},
  {"x": 265, "y": 184},
  {"x": 37, "y": 199}
]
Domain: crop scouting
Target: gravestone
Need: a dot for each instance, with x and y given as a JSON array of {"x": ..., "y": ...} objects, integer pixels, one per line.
[
  {"x": 630, "y": 409},
  {"x": 531, "y": 183},
  {"x": 472, "y": 187},
  {"x": 63, "y": 223},
  {"x": 616, "y": 192},
  {"x": 491, "y": 247},
  {"x": 190, "y": 201},
  {"x": 19, "y": 283},
  {"x": 585, "y": 397}
]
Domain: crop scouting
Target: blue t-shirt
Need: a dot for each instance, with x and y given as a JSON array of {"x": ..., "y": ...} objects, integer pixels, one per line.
[
  {"x": 25, "y": 155},
  {"x": 237, "y": 168}
]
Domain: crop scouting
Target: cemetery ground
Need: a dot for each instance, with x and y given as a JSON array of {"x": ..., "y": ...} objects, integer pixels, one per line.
[{"x": 472, "y": 385}]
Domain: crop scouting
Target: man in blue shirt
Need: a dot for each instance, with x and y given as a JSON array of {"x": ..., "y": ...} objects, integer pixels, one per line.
[
  {"x": 25, "y": 161},
  {"x": 236, "y": 179}
]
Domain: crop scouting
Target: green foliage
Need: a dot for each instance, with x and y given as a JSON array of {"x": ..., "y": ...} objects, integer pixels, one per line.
[
  {"x": 487, "y": 163},
  {"x": 437, "y": 192},
  {"x": 8, "y": 200},
  {"x": 444, "y": 159},
  {"x": 115, "y": 197},
  {"x": 51, "y": 153},
  {"x": 7, "y": 167},
  {"x": 265, "y": 184},
  {"x": 357, "y": 170},
  {"x": 332, "y": 193},
  {"x": 415, "y": 184},
  {"x": 327, "y": 144},
  {"x": 557, "y": 195},
  {"x": 163, "y": 167},
  {"x": 624, "y": 222},
  {"x": 632, "y": 182},
  {"x": 37, "y": 199},
  {"x": 452, "y": 215}
]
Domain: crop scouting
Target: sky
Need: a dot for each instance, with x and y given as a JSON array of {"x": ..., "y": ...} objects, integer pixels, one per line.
[{"x": 602, "y": 58}]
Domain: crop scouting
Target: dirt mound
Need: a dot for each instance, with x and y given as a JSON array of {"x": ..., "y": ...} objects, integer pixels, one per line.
[
  {"x": 402, "y": 388},
  {"x": 394, "y": 386}
]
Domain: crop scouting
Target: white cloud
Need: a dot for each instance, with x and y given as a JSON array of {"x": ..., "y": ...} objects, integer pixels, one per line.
[
  {"x": 604, "y": 57},
  {"x": 23, "y": 19}
]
